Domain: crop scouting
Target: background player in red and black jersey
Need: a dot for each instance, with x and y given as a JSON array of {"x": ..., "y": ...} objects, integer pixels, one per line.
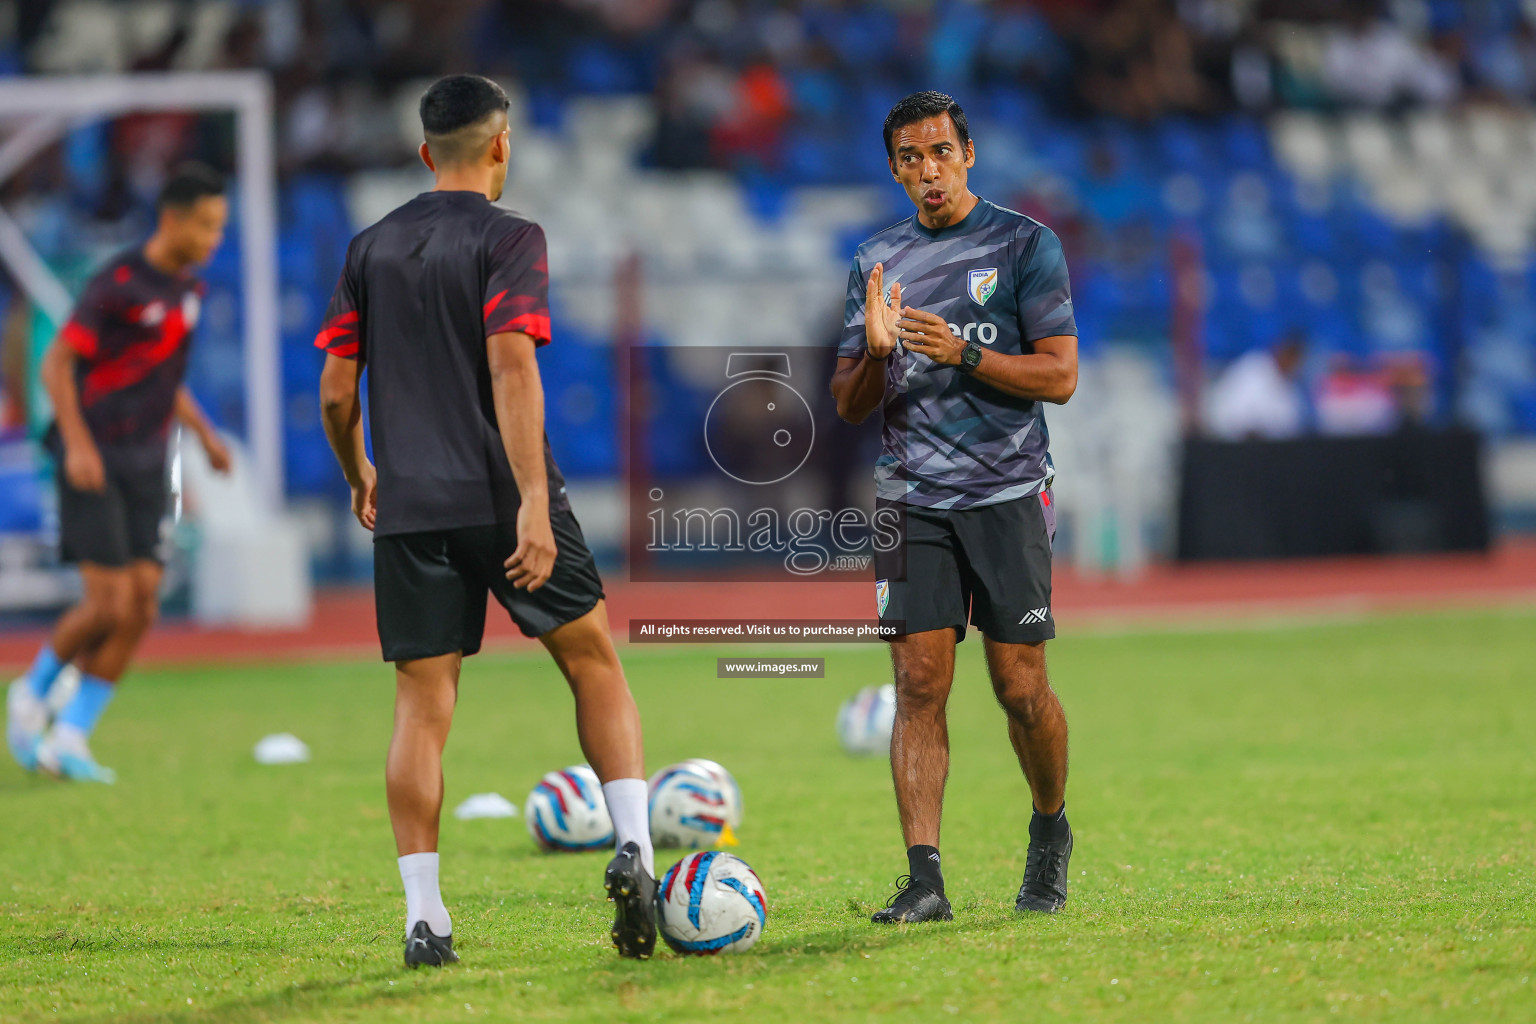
[
  {"x": 445, "y": 301},
  {"x": 115, "y": 375}
]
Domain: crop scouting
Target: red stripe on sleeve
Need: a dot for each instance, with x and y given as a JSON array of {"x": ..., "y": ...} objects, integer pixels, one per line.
[
  {"x": 490, "y": 307},
  {"x": 79, "y": 338},
  {"x": 339, "y": 327},
  {"x": 535, "y": 325}
]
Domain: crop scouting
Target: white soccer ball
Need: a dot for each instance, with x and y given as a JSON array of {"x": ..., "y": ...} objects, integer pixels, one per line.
[
  {"x": 711, "y": 902},
  {"x": 864, "y": 721},
  {"x": 566, "y": 811},
  {"x": 688, "y": 807},
  {"x": 727, "y": 783}
]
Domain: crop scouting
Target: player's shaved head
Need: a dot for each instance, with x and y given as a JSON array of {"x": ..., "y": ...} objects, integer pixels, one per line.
[{"x": 459, "y": 115}]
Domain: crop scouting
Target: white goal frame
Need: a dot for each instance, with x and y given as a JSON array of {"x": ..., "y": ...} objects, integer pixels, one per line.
[{"x": 37, "y": 112}]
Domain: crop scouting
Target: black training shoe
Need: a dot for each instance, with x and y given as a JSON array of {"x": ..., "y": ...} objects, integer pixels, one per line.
[
  {"x": 913, "y": 901},
  {"x": 423, "y": 949},
  {"x": 1045, "y": 876},
  {"x": 633, "y": 892}
]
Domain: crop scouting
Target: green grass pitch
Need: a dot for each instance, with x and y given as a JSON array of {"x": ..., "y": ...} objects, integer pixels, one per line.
[{"x": 1314, "y": 822}]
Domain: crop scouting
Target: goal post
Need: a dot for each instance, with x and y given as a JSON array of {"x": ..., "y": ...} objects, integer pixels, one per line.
[{"x": 36, "y": 112}]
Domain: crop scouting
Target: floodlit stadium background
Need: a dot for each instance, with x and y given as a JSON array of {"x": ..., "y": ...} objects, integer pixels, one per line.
[{"x": 1224, "y": 175}]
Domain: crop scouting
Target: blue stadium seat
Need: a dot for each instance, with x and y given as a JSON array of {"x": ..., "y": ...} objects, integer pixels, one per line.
[
  {"x": 595, "y": 66},
  {"x": 816, "y": 93},
  {"x": 1181, "y": 146},
  {"x": 21, "y": 495},
  {"x": 1014, "y": 106},
  {"x": 1523, "y": 408},
  {"x": 1245, "y": 143}
]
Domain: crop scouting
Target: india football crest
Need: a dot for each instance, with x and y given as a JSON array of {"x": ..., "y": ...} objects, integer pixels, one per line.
[
  {"x": 882, "y": 595},
  {"x": 982, "y": 284}
]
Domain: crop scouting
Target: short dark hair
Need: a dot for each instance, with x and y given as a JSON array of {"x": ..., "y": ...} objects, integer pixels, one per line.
[
  {"x": 453, "y": 104},
  {"x": 919, "y": 107},
  {"x": 187, "y": 184}
]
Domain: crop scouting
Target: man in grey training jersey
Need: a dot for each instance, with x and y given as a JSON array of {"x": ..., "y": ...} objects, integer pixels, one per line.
[{"x": 958, "y": 327}]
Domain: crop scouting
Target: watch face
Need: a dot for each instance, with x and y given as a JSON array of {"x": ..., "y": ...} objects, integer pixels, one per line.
[{"x": 971, "y": 356}]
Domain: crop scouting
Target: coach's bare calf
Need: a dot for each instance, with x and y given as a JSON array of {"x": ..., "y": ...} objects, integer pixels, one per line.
[{"x": 924, "y": 665}]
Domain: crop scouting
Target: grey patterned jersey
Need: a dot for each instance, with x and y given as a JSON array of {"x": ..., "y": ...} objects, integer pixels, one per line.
[{"x": 1000, "y": 279}]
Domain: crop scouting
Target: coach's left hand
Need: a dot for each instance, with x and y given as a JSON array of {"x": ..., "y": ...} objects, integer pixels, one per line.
[{"x": 929, "y": 333}]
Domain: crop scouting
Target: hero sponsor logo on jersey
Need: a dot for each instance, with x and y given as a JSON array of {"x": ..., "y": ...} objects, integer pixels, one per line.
[
  {"x": 984, "y": 332},
  {"x": 981, "y": 284}
]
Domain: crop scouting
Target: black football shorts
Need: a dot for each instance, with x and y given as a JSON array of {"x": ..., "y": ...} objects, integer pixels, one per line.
[
  {"x": 430, "y": 588},
  {"x": 989, "y": 566},
  {"x": 118, "y": 525}
]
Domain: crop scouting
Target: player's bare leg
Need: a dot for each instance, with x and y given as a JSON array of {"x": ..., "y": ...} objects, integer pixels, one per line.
[
  {"x": 425, "y": 693},
  {"x": 138, "y": 607},
  {"x": 107, "y": 595},
  {"x": 607, "y": 720},
  {"x": 120, "y": 606},
  {"x": 1037, "y": 727},
  {"x": 80, "y": 631},
  {"x": 924, "y": 666},
  {"x": 426, "y": 690},
  {"x": 608, "y": 727}
]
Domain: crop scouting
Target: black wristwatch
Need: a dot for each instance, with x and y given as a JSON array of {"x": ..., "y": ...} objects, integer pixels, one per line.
[{"x": 970, "y": 357}]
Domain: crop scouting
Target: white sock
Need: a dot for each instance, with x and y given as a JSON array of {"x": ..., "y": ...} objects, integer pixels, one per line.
[
  {"x": 629, "y": 807},
  {"x": 423, "y": 902}
]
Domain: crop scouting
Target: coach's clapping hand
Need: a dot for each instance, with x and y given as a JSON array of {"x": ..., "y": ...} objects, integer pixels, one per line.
[
  {"x": 880, "y": 316},
  {"x": 365, "y": 495},
  {"x": 84, "y": 469},
  {"x": 929, "y": 334},
  {"x": 533, "y": 561}
]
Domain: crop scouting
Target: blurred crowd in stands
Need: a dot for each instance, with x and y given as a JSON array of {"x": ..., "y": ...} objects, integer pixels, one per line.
[
  {"x": 729, "y": 75},
  {"x": 1141, "y": 130}
]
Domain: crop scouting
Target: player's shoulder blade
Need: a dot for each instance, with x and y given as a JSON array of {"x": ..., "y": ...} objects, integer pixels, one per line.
[{"x": 504, "y": 223}]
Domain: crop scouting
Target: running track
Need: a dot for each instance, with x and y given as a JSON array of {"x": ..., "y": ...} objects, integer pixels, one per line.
[{"x": 342, "y": 625}]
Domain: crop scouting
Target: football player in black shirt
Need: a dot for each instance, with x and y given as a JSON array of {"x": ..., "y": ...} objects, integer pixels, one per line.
[
  {"x": 445, "y": 302},
  {"x": 114, "y": 375}
]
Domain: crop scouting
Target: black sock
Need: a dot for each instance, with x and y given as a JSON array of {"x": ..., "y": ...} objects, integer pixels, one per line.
[
  {"x": 923, "y": 866},
  {"x": 1048, "y": 828}
]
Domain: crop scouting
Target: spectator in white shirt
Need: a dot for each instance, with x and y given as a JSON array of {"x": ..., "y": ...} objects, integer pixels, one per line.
[{"x": 1259, "y": 395}]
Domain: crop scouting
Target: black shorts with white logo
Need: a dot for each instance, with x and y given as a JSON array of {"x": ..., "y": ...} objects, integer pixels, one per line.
[
  {"x": 989, "y": 566},
  {"x": 430, "y": 588},
  {"x": 119, "y": 524}
]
